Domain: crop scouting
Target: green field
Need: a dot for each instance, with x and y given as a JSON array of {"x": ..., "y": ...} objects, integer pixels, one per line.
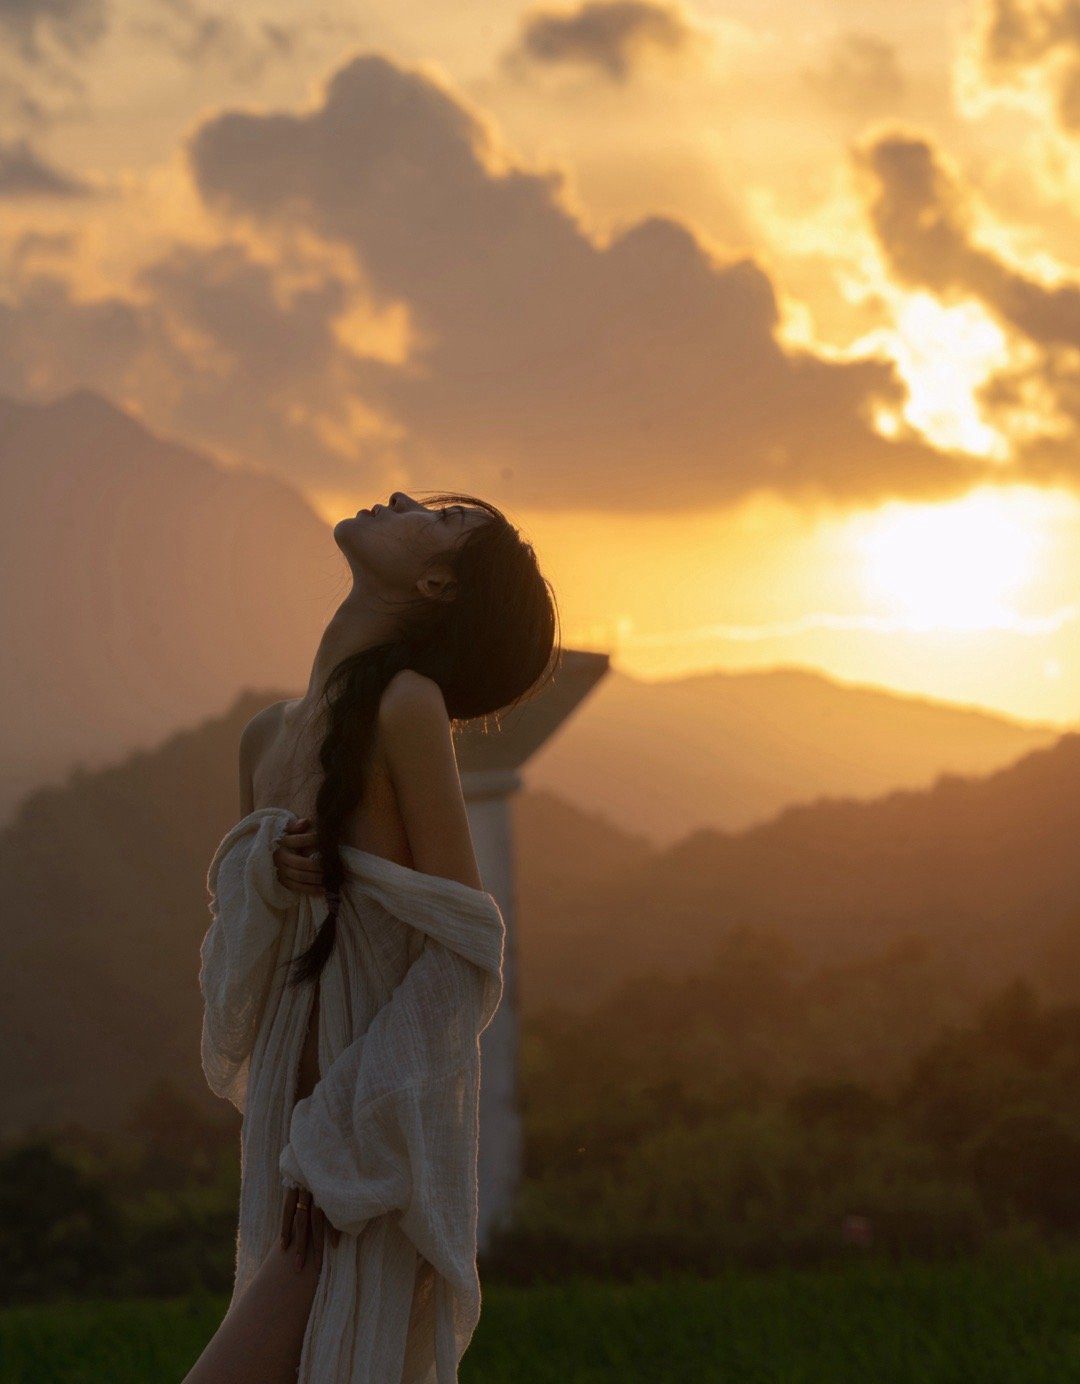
[{"x": 980, "y": 1322}]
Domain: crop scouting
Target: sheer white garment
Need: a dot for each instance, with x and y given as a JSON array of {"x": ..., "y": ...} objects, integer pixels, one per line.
[{"x": 387, "y": 1141}]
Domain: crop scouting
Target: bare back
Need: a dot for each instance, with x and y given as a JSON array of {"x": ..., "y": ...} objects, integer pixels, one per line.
[{"x": 286, "y": 773}]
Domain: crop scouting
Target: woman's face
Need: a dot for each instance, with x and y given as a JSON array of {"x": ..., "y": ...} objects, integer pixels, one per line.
[{"x": 401, "y": 545}]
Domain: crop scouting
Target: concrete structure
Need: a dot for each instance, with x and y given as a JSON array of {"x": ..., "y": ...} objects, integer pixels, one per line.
[{"x": 490, "y": 773}]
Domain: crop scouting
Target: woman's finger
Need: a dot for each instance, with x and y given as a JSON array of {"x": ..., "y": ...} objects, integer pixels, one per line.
[
  {"x": 298, "y": 877},
  {"x": 304, "y": 876},
  {"x": 287, "y": 1219},
  {"x": 292, "y": 860},
  {"x": 301, "y": 886},
  {"x": 300, "y": 840},
  {"x": 301, "y": 882}
]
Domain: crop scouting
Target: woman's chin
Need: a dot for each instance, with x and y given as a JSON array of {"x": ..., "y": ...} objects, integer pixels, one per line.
[{"x": 345, "y": 529}]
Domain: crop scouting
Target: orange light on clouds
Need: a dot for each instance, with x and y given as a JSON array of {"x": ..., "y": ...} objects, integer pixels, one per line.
[{"x": 943, "y": 354}]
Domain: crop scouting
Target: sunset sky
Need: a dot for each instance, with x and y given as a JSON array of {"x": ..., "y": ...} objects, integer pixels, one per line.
[{"x": 762, "y": 321}]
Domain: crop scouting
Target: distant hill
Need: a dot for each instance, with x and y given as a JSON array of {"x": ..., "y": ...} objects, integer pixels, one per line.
[
  {"x": 105, "y": 905},
  {"x": 103, "y": 879},
  {"x": 731, "y": 749},
  {"x": 985, "y": 868},
  {"x": 142, "y": 585}
]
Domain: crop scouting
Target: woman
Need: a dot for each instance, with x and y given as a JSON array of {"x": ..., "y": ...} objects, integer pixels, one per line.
[{"x": 352, "y": 1051}]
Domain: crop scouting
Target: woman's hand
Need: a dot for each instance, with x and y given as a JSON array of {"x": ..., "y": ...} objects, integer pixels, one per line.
[
  {"x": 305, "y": 1223},
  {"x": 297, "y": 861}
]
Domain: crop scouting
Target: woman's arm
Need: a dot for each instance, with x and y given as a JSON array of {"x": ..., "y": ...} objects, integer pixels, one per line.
[
  {"x": 252, "y": 740},
  {"x": 419, "y": 750}
]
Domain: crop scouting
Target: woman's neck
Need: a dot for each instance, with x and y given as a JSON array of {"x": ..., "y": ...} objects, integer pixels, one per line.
[{"x": 358, "y": 623}]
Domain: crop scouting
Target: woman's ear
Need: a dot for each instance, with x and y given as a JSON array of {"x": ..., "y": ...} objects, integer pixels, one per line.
[{"x": 438, "y": 583}]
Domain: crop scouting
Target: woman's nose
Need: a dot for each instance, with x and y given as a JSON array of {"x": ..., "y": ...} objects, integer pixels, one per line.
[{"x": 399, "y": 500}]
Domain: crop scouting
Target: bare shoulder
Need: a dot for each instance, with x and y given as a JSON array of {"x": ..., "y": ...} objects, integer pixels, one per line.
[
  {"x": 411, "y": 699},
  {"x": 418, "y": 748},
  {"x": 254, "y": 738},
  {"x": 258, "y": 732}
]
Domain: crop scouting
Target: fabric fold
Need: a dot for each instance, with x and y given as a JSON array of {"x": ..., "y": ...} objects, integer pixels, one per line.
[
  {"x": 249, "y": 905},
  {"x": 387, "y": 1141}
]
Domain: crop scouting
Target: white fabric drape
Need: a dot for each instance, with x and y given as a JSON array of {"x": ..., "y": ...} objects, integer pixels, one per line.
[{"x": 387, "y": 1141}]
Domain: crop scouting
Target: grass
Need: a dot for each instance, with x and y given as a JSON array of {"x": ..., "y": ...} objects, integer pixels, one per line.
[{"x": 977, "y": 1322}]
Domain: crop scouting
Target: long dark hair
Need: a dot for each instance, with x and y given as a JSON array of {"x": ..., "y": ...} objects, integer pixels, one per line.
[{"x": 487, "y": 648}]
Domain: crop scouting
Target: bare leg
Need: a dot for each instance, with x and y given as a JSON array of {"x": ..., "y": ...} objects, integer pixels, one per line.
[{"x": 261, "y": 1336}]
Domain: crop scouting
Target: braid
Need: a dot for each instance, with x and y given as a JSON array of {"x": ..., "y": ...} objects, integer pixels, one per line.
[{"x": 350, "y": 708}]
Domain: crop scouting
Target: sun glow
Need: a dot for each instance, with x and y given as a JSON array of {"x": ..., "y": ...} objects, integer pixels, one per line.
[
  {"x": 943, "y": 354},
  {"x": 950, "y": 565}
]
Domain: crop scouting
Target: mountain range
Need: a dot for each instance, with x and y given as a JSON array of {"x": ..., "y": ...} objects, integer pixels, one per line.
[
  {"x": 103, "y": 878},
  {"x": 731, "y": 749}
]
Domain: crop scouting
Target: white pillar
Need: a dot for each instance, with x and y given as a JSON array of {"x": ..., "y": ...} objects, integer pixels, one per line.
[{"x": 487, "y": 797}]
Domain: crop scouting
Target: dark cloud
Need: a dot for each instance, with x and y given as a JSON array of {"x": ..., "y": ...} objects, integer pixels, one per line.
[
  {"x": 1017, "y": 34},
  {"x": 861, "y": 73},
  {"x": 197, "y": 35},
  {"x": 43, "y": 244},
  {"x": 51, "y": 340},
  {"x": 1021, "y": 38},
  {"x": 72, "y": 24},
  {"x": 923, "y": 219},
  {"x": 276, "y": 379},
  {"x": 612, "y": 36},
  {"x": 641, "y": 373},
  {"x": 24, "y": 173},
  {"x": 21, "y": 107},
  {"x": 213, "y": 349},
  {"x": 280, "y": 38}
]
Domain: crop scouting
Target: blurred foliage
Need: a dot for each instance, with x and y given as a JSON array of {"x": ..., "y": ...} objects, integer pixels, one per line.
[
  {"x": 731, "y": 1118},
  {"x": 696, "y": 1124},
  {"x": 149, "y": 1210}
]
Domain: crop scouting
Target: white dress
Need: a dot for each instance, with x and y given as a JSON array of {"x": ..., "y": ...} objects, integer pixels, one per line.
[{"x": 387, "y": 1141}]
